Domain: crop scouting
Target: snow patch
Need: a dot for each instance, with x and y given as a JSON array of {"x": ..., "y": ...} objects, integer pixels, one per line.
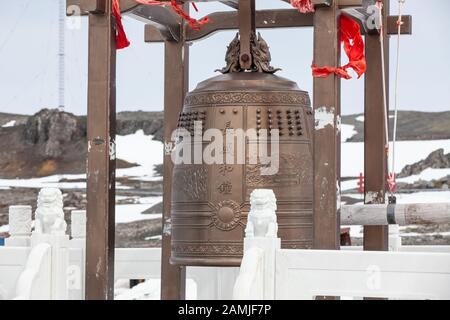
[
  {"x": 141, "y": 149},
  {"x": 149, "y": 290},
  {"x": 134, "y": 148},
  {"x": 323, "y": 118},
  {"x": 426, "y": 175},
  {"x": 347, "y": 132},
  {"x": 133, "y": 212},
  {"x": 11, "y": 123},
  {"x": 407, "y": 152}
]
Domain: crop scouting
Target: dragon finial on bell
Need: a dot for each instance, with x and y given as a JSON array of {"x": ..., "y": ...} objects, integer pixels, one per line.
[{"x": 260, "y": 54}]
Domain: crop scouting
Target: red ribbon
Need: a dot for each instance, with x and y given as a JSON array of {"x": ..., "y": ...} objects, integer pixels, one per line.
[
  {"x": 392, "y": 184},
  {"x": 304, "y": 6},
  {"x": 354, "y": 48},
  {"x": 195, "y": 24},
  {"x": 121, "y": 37}
]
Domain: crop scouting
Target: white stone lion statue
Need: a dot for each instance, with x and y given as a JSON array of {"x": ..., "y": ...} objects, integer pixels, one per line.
[
  {"x": 262, "y": 219},
  {"x": 49, "y": 213}
]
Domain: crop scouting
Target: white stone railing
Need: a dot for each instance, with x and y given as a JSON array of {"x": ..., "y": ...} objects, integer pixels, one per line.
[
  {"x": 34, "y": 265},
  {"x": 47, "y": 265},
  {"x": 306, "y": 274},
  {"x": 12, "y": 263},
  {"x": 35, "y": 280},
  {"x": 402, "y": 273},
  {"x": 256, "y": 278}
]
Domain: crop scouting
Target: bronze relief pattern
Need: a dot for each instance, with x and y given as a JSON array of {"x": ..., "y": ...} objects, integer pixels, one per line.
[
  {"x": 231, "y": 98},
  {"x": 192, "y": 182},
  {"x": 226, "y": 215}
]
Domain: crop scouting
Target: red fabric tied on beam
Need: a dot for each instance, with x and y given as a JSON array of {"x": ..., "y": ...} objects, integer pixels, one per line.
[
  {"x": 392, "y": 184},
  {"x": 354, "y": 48},
  {"x": 195, "y": 24},
  {"x": 121, "y": 37},
  {"x": 304, "y": 6}
]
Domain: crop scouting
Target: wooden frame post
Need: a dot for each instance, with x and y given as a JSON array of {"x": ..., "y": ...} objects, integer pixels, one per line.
[
  {"x": 375, "y": 162},
  {"x": 176, "y": 85},
  {"x": 101, "y": 165},
  {"x": 326, "y": 130}
]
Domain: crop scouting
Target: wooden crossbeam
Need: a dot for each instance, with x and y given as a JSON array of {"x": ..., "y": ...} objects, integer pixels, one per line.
[
  {"x": 231, "y": 3},
  {"x": 317, "y": 3},
  {"x": 363, "y": 18},
  {"x": 163, "y": 19},
  {"x": 162, "y": 22},
  {"x": 280, "y": 18}
]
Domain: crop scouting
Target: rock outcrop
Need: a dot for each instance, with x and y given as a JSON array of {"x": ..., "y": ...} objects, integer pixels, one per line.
[
  {"x": 436, "y": 160},
  {"x": 55, "y": 142},
  {"x": 152, "y": 123},
  {"x": 53, "y": 130}
]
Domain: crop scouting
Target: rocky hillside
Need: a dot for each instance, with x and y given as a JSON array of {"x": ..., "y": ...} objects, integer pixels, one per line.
[
  {"x": 411, "y": 125},
  {"x": 436, "y": 160},
  {"x": 54, "y": 142}
]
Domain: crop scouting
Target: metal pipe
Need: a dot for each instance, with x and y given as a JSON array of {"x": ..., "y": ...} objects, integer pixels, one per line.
[{"x": 401, "y": 214}]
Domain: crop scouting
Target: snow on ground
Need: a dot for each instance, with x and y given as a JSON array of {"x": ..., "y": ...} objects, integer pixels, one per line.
[
  {"x": 134, "y": 148},
  {"x": 141, "y": 149},
  {"x": 11, "y": 123},
  {"x": 349, "y": 185},
  {"x": 407, "y": 152},
  {"x": 50, "y": 181},
  {"x": 133, "y": 212},
  {"x": 148, "y": 290},
  {"x": 426, "y": 175},
  {"x": 424, "y": 197},
  {"x": 361, "y": 118},
  {"x": 347, "y": 131}
]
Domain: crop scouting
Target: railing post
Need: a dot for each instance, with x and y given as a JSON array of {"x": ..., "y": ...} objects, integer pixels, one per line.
[
  {"x": 395, "y": 241},
  {"x": 76, "y": 271},
  {"x": 256, "y": 278},
  {"x": 19, "y": 226},
  {"x": 50, "y": 228}
]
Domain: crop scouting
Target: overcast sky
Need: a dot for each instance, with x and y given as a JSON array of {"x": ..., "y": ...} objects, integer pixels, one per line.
[{"x": 29, "y": 64}]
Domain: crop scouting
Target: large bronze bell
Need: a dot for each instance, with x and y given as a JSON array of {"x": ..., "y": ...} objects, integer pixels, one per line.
[{"x": 210, "y": 202}]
